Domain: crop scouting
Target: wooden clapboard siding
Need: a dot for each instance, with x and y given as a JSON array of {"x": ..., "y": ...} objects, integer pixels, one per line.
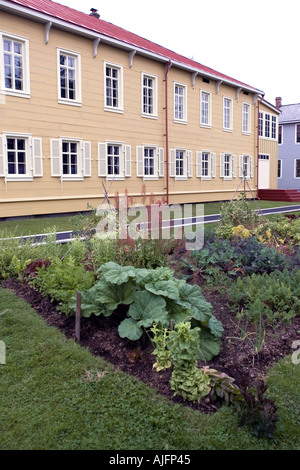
[{"x": 43, "y": 117}]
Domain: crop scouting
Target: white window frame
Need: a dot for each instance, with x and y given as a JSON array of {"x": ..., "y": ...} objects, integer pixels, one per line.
[
  {"x": 263, "y": 123},
  {"x": 120, "y": 104},
  {"x": 274, "y": 119},
  {"x": 246, "y": 115},
  {"x": 207, "y": 123},
  {"x": 124, "y": 160},
  {"x": 177, "y": 118},
  {"x": 281, "y": 128},
  {"x": 232, "y": 165},
  {"x": 77, "y": 101},
  {"x": 25, "y": 92},
  {"x": 187, "y": 164},
  {"x": 159, "y": 162},
  {"x": 228, "y": 128},
  {"x": 149, "y": 76},
  {"x": 250, "y": 166},
  {"x": 33, "y": 157},
  {"x": 295, "y": 168},
  {"x": 83, "y": 159},
  {"x": 281, "y": 162},
  {"x": 211, "y": 165},
  {"x": 296, "y": 125}
]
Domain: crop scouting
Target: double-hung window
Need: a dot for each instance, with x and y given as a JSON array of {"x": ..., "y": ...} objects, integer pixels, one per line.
[
  {"x": 181, "y": 164},
  {"x": 205, "y": 109},
  {"x": 267, "y": 125},
  {"x": 227, "y": 166},
  {"x": 69, "y": 77},
  {"x": 297, "y": 168},
  {"x": 20, "y": 157},
  {"x": 246, "y": 166},
  {"x": 113, "y": 87},
  {"x": 280, "y": 135},
  {"x": 14, "y": 66},
  {"x": 227, "y": 114},
  {"x": 149, "y": 95},
  {"x": 114, "y": 160},
  {"x": 297, "y": 133},
  {"x": 70, "y": 158},
  {"x": 150, "y": 162},
  {"x": 279, "y": 169},
  {"x": 180, "y": 103},
  {"x": 205, "y": 165},
  {"x": 261, "y": 124},
  {"x": 274, "y": 128},
  {"x": 246, "y": 123}
]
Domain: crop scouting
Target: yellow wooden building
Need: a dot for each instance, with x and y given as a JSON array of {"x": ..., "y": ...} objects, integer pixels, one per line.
[{"x": 85, "y": 105}]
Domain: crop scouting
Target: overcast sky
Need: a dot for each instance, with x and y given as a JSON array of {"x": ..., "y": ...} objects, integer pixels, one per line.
[{"x": 253, "y": 41}]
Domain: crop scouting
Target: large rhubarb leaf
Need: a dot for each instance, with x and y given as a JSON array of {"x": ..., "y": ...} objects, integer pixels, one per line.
[
  {"x": 116, "y": 274},
  {"x": 131, "y": 329},
  {"x": 192, "y": 297},
  {"x": 148, "y": 308}
]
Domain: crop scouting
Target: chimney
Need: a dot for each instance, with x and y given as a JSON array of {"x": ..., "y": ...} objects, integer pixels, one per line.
[
  {"x": 278, "y": 101},
  {"x": 94, "y": 13}
]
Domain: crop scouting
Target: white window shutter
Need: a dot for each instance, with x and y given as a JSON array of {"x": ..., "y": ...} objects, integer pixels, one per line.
[
  {"x": 198, "y": 164},
  {"x": 234, "y": 166},
  {"x": 2, "y": 163},
  {"x": 251, "y": 167},
  {"x": 102, "y": 167},
  {"x": 56, "y": 163},
  {"x": 221, "y": 165},
  {"x": 190, "y": 163},
  {"x": 87, "y": 159},
  {"x": 37, "y": 157},
  {"x": 241, "y": 165},
  {"x": 213, "y": 165},
  {"x": 140, "y": 162},
  {"x": 127, "y": 164},
  {"x": 161, "y": 162},
  {"x": 172, "y": 164}
]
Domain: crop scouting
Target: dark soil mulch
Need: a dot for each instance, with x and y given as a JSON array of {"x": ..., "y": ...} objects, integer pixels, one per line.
[{"x": 100, "y": 336}]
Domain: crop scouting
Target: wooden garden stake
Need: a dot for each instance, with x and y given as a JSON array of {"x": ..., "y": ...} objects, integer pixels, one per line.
[{"x": 78, "y": 316}]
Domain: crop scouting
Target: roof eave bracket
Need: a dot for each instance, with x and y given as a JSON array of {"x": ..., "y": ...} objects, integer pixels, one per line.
[{"x": 48, "y": 26}]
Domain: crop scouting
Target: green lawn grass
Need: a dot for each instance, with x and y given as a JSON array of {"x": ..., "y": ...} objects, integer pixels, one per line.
[
  {"x": 38, "y": 225},
  {"x": 56, "y": 396}
]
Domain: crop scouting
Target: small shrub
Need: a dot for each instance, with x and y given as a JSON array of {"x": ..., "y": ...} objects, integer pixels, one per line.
[
  {"x": 61, "y": 280},
  {"x": 238, "y": 212}
]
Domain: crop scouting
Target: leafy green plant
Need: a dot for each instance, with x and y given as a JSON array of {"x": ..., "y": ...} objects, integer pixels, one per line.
[
  {"x": 61, "y": 280},
  {"x": 151, "y": 296},
  {"x": 237, "y": 257},
  {"x": 274, "y": 296},
  {"x": 187, "y": 379},
  {"x": 238, "y": 212},
  {"x": 17, "y": 253},
  {"x": 222, "y": 386},
  {"x": 160, "y": 340}
]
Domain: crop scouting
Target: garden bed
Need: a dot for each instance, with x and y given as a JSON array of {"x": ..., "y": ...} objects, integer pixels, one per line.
[{"x": 100, "y": 335}]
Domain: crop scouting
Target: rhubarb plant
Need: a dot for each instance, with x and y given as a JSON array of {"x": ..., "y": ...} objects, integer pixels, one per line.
[{"x": 152, "y": 296}]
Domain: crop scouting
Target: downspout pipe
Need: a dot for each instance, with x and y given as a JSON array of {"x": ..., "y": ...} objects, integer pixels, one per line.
[
  {"x": 257, "y": 171},
  {"x": 167, "y": 68}
]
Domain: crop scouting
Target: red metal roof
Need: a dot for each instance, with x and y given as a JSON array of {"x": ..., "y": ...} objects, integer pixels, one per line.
[{"x": 83, "y": 20}]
